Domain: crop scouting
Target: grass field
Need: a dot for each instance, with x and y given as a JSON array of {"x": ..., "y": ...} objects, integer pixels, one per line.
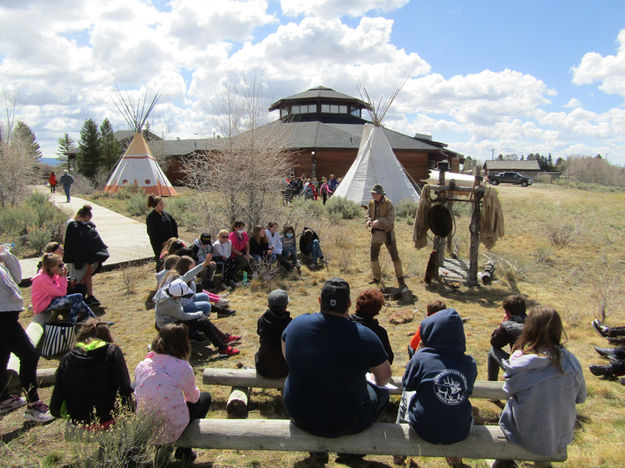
[{"x": 563, "y": 247}]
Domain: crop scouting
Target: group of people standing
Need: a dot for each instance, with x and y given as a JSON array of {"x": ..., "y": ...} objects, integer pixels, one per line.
[{"x": 311, "y": 188}]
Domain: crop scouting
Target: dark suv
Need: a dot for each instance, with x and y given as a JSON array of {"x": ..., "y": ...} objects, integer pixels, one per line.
[{"x": 510, "y": 178}]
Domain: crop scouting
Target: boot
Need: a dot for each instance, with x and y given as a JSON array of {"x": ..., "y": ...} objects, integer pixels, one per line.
[
  {"x": 599, "y": 370},
  {"x": 611, "y": 353}
]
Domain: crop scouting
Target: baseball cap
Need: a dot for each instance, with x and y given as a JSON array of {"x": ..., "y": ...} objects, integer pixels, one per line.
[
  {"x": 205, "y": 238},
  {"x": 179, "y": 288},
  {"x": 278, "y": 300},
  {"x": 335, "y": 295}
]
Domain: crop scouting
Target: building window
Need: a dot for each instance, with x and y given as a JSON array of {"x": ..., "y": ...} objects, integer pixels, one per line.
[{"x": 355, "y": 111}]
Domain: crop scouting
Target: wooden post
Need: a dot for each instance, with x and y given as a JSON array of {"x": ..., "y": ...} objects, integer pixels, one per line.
[
  {"x": 474, "y": 228},
  {"x": 439, "y": 242},
  {"x": 237, "y": 402}
]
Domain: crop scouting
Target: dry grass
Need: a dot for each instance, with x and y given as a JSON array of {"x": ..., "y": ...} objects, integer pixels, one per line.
[{"x": 574, "y": 278}]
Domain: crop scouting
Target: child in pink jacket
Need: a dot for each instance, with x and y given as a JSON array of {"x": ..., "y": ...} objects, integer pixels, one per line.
[
  {"x": 166, "y": 390},
  {"x": 49, "y": 290}
]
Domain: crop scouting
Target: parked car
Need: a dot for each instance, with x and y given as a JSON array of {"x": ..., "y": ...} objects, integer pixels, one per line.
[{"x": 510, "y": 178}]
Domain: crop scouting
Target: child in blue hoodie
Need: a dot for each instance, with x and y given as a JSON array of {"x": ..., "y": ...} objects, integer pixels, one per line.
[{"x": 438, "y": 382}]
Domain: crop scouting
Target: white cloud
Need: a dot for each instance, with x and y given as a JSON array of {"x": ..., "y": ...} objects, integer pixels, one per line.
[
  {"x": 608, "y": 70},
  {"x": 573, "y": 103},
  {"x": 329, "y": 8}
]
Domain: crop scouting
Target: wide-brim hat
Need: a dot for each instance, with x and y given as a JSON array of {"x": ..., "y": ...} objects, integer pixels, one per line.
[{"x": 377, "y": 188}]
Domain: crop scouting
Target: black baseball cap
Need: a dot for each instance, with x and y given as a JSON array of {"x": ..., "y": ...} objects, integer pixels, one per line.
[
  {"x": 205, "y": 238},
  {"x": 335, "y": 295}
]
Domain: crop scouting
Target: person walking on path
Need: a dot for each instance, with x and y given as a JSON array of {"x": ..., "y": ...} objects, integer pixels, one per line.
[
  {"x": 161, "y": 226},
  {"x": 13, "y": 339},
  {"x": 381, "y": 220},
  {"x": 52, "y": 181},
  {"x": 66, "y": 181}
]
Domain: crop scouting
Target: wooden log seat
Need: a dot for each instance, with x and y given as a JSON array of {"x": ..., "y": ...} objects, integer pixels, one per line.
[{"x": 484, "y": 442}]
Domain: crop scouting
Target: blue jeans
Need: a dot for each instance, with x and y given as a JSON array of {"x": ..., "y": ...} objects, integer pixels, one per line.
[
  {"x": 200, "y": 303},
  {"x": 67, "y": 189},
  {"x": 78, "y": 306},
  {"x": 287, "y": 255},
  {"x": 315, "y": 250}
]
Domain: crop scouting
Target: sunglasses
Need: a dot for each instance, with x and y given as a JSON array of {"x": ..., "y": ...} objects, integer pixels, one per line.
[
  {"x": 61, "y": 265},
  {"x": 223, "y": 237}
]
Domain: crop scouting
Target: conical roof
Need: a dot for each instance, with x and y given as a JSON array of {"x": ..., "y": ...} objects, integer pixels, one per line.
[
  {"x": 375, "y": 164},
  {"x": 138, "y": 167}
]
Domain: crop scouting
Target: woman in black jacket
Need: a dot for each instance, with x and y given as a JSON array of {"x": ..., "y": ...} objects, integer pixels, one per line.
[
  {"x": 90, "y": 378},
  {"x": 161, "y": 225},
  {"x": 84, "y": 251}
]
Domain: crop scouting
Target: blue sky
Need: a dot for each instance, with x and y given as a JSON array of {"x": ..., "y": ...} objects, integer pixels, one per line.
[{"x": 516, "y": 76}]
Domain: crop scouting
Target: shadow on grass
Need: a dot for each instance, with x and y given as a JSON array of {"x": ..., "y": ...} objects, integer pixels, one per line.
[
  {"x": 488, "y": 297},
  {"x": 14, "y": 434}
]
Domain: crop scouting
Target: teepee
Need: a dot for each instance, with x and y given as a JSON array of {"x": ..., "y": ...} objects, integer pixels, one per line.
[
  {"x": 137, "y": 166},
  {"x": 376, "y": 164}
]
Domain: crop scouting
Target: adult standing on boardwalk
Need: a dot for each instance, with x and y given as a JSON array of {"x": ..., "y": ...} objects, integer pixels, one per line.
[
  {"x": 84, "y": 251},
  {"x": 381, "y": 220},
  {"x": 66, "y": 181},
  {"x": 52, "y": 181},
  {"x": 161, "y": 225}
]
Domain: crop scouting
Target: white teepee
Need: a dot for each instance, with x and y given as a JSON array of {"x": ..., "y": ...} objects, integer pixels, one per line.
[
  {"x": 375, "y": 164},
  {"x": 137, "y": 166}
]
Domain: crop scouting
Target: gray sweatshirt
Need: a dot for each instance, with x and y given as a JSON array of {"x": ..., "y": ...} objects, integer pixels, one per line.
[
  {"x": 10, "y": 277},
  {"x": 540, "y": 411},
  {"x": 169, "y": 310}
]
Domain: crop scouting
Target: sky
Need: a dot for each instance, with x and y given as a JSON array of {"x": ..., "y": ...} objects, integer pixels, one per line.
[{"x": 484, "y": 76}]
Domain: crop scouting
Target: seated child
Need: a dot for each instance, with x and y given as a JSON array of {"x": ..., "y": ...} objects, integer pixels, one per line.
[
  {"x": 259, "y": 245},
  {"x": 203, "y": 246},
  {"x": 202, "y": 300},
  {"x": 289, "y": 249},
  {"x": 506, "y": 334},
  {"x": 438, "y": 382},
  {"x": 368, "y": 305},
  {"x": 269, "y": 359},
  {"x": 168, "y": 309},
  {"x": 49, "y": 290},
  {"x": 543, "y": 383},
  {"x": 433, "y": 307},
  {"x": 222, "y": 253},
  {"x": 309, "y": 246},
  {"x": 90, "y": 378},
  {"x": 166, "y": 390}
]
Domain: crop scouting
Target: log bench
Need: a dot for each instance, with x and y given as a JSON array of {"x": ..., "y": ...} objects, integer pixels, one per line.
[
  {"x": 242, "y": 380},
  {"x": 484, "y": 442}
]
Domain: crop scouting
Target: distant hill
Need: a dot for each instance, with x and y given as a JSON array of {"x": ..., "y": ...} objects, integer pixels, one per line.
[{"x": 50, "y": 161}]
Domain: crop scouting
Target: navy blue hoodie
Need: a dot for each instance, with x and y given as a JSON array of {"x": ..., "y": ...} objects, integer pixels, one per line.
[{"x": 443, "y": 377}]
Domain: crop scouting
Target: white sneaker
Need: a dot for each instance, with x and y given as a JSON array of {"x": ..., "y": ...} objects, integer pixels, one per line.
[
  {"x": 12, "y": 403},
  {"x": 222, "y": 302},
  {"x": 38, "y": 412}
]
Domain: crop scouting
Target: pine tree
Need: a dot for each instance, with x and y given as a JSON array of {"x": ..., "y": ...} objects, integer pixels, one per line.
[
  {"x": 89, "y": 154},
  {"x": 25, "y": 135},
  {"x": 109, "y": 147},
  {"x": 66, "y": 144}
]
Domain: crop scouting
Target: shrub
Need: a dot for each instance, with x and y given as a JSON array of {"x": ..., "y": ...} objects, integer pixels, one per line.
[
  {"x": 32, "y": 223},
  {"x": 127, "y": 443},
  {"x": 38, "y": 237},
  {"x": 135, "y": 203},
  {"x": 346, "y": 208},
  {"x": 406, "y": 208},
  {"x": 306, "y": 208},
  {"x": 563, "y": 234}
]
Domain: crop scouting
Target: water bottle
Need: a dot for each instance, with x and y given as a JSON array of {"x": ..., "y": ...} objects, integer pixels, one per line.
[{"x": 245, "y": 278}]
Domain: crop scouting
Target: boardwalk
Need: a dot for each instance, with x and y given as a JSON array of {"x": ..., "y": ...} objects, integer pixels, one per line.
[{"x": 126, "y": 238}]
